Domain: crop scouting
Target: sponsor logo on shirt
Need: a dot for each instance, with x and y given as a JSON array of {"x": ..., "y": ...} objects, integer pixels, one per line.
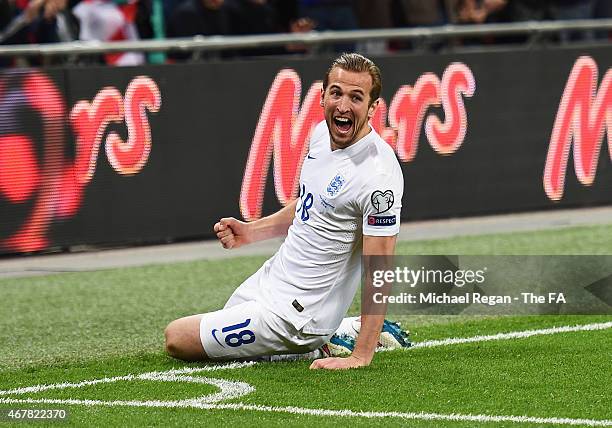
[
  {"x": 386, "y": 220},
  {"x": 382, "y": 201},
  {"x": 334, "y": 186}
]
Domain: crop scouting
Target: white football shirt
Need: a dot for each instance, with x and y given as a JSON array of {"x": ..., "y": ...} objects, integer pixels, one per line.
[{"x": 344, "y": 194}]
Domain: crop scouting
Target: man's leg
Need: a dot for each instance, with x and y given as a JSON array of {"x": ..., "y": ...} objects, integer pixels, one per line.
[
  {"x": 244, "y": 331},
  {"x": 183, "y": 339},
  {"x": 183, "y": 336}
]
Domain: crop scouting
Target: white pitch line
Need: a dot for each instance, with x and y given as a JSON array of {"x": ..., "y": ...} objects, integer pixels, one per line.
[
  {"x": 229, "y": 389},
  {"x": 204, "y": 402},
  {"x": 130, "y": 377},
  {"x": 511, "y": 335},
  {"x": 454, "y": 417},
  {"x": 418, "y": 416}
]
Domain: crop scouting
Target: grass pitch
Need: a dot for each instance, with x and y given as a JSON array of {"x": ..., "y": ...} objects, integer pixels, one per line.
[{"x": 74, "y": 327}]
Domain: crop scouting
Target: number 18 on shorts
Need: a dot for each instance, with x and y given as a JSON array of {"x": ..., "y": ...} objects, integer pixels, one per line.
[
  {"x": 244, "y": 330},
  {"x": 235, "y": 335}
]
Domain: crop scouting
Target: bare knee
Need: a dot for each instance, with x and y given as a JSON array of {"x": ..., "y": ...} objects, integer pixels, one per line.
[
  {"x": 183, "y": 339},
  {"x": 171, "y": 334}
]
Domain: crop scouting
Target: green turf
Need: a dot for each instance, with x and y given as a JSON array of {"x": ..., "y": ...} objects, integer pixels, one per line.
[
  {"x": 77, "y": 326},
  {"x": 575, "y": 240}
]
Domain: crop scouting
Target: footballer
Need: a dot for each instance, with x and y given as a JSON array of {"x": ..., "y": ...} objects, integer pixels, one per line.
[{"x": 349, "y": 203}]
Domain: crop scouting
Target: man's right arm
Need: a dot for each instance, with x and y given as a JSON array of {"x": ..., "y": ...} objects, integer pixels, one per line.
[{"x": 234, "y": 233}]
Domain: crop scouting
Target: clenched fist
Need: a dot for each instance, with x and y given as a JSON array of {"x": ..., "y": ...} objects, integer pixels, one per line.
[{"x": 232, "y": 233}]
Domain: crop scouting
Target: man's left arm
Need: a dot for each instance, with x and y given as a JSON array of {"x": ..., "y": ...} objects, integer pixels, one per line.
[{"x": 371, "y": 323}]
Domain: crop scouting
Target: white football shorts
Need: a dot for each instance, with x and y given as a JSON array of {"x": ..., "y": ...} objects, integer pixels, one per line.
[{"x": 245, "y": 329}]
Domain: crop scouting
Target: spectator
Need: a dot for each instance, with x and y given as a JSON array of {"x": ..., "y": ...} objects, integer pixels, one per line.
[
  {"x": 105, "y": 20},
  {"x": 300, "y": 25},
  {"x": 203, "y": 17},
  {"x": 37, "y": 21},
  {"x": 374, "y": 15},
  {"x": 200, "y": 17},
  {"x": 248, "y": 17},
  {"x": 477, "y": 12},
  {"x": 253, "y": 17},
  {"x": 419, "y": 13},
  {"x": 330, "y": 15},
  {"x": 603, "y": 10},
  {"x": 287, "y": 12},
  {"x": 290, "y": 21},
  {"x": 538, "y": 10}
]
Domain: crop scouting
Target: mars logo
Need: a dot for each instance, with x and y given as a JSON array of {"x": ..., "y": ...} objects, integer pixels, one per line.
[
  {"x": 283, "y": 128},
  {"x": 90, "y": 120},
  {"x": 584, "y": 114},
  {"x": 40, "y": 181}
]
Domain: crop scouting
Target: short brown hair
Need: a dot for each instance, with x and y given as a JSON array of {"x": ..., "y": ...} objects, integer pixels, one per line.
[{"x": 359, "y": 64}]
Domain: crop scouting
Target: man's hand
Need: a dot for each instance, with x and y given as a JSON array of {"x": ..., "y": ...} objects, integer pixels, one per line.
[
  {"x": 32, "y": 10},
  {"x": 53, "y": 7},
  {"x": 336, "y": 363},
  {"x": 235, "y": 233},
  {"x": 232, "y": 233}
]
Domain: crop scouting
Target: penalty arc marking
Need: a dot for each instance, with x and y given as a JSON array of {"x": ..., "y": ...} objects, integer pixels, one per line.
[{"x": 235, "y": 389}]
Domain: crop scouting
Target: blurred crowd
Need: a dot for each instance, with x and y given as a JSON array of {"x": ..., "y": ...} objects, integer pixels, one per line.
[{"x": 49, "y": 21}]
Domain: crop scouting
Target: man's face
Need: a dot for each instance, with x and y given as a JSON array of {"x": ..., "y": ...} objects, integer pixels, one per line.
[{"x": 346, "y": 106}]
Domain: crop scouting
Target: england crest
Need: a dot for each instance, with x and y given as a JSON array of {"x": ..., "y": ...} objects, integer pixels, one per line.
[{"x": 334, "y": 186}]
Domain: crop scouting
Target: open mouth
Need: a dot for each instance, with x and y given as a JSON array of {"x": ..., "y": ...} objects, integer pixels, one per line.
[{"x": 343, "y": 124}]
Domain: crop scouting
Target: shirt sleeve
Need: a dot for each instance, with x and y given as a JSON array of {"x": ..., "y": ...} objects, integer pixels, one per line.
[{"x": 381, "y": 204}]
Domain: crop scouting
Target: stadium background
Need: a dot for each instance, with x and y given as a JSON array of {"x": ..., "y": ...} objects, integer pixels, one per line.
[
  {"x": 60, "y": 186},
  {"x": 95, "y": 157}
]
